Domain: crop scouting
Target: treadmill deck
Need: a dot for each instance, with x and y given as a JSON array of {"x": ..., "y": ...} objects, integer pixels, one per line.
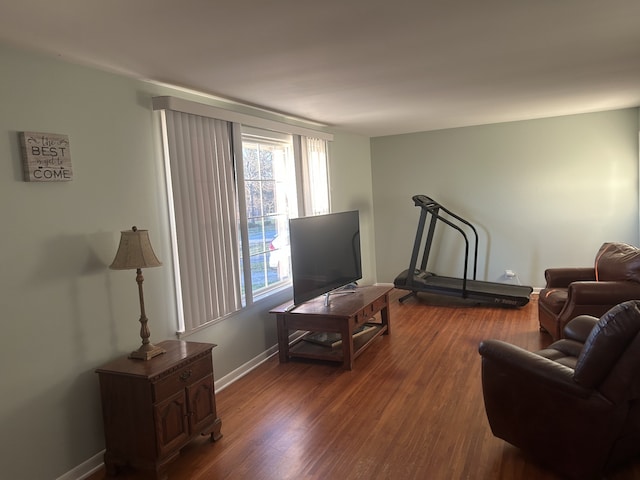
[{"x": 492, "y": 293}]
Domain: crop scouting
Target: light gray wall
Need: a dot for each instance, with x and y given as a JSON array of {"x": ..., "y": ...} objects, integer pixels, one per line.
[
  {"x": 350, "y": 172},
  {"x": 64, "y": 312},
  {"x": 541, "y": 193}
]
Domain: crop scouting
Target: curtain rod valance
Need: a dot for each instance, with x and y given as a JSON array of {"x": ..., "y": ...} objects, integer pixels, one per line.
[{"x": 195, "y": 108}]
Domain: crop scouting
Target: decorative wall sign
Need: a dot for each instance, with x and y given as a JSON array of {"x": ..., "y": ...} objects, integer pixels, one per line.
[{"x": 46, "y": 157}]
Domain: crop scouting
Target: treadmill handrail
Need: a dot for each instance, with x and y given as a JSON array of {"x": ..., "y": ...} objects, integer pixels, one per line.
[
  {"x": 429, "y": 205},
  {"x": 466, "y": 254}
]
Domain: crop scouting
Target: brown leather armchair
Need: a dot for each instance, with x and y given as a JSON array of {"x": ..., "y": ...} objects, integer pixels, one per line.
[
  {"x": 574, "y": 406},
  {"x": 573, "y": 291}
]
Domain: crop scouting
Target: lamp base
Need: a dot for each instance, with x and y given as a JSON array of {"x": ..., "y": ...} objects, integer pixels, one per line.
[{"x": 147, "y": 352}]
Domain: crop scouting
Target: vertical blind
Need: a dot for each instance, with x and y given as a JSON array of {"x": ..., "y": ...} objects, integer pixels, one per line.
[{"x": 203, "y": 189}]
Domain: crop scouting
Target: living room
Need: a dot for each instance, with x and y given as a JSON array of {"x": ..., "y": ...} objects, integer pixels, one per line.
[{"x": 544, "y": 192}]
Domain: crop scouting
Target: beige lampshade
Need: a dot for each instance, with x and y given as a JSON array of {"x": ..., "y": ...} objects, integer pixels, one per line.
[{"x": 135, "y": 251}]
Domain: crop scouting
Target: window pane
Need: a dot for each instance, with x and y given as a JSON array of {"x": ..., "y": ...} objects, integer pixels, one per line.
[
  {"x": 253, "y": 199},
  {"x": 258, "y": 271},
  {"x": 268, "y": 191},
  {"x": 266, "y": 162},
  {"x": 280, "y": 251},
  {"x": 250, "y": 160},
  {"x": 256, "y": 237}
]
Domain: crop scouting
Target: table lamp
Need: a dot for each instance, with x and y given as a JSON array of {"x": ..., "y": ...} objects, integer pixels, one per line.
[{"x": 135, "y": 252}]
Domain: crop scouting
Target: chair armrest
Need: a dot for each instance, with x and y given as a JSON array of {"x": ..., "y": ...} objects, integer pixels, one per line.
[
  {"x": 595, "y": 298},
  {"x": 602, "y": 293},
  {"x": 562, "y": 277},
  {"x": 526, "y": 367},
  {"x": 580, "y": 327}
]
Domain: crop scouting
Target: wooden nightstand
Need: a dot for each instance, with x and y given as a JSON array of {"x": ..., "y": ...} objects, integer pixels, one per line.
[{"x": 152, "y": 408}]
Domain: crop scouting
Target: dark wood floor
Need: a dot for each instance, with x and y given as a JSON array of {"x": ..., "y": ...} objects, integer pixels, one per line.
[{"x": 410, "y": 409}]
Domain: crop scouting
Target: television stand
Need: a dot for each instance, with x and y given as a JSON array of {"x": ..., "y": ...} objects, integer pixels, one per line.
[{"x": 343, "y": 315}]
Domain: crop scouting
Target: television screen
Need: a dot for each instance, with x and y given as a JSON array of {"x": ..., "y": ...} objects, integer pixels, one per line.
[{"x": 325, "y": 253}]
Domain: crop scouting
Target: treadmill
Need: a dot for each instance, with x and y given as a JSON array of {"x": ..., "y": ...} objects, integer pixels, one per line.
[{"x": 419, "y": 280}]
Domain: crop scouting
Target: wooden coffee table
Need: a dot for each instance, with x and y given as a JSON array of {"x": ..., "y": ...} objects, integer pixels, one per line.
[{"x": 344, "y": 314}]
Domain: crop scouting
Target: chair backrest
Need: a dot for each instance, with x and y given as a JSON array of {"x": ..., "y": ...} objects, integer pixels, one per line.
[
  {"x": 610, "y": 359},
  {"x": 617, "y": 261}
]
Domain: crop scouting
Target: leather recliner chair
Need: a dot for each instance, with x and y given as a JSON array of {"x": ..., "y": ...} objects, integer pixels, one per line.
[
  {"x": 573, "y": 291},
  {"x": 574, "y": 406}
]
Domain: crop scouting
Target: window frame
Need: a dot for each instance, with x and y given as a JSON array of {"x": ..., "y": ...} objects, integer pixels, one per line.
[{"x": 264, "y": 137}]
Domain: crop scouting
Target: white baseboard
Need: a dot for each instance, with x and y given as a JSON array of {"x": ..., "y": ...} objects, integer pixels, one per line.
[
  {"x": 242, "y": 370},
  {"x": 255, "y": 362},
  {"x": 85, "y": 469}
]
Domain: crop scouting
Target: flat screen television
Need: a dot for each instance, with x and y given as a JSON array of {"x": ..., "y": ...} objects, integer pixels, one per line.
[{"x": 325, "y": 253}]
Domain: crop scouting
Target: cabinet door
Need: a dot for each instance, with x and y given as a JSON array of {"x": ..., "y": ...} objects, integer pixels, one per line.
[
  {"x": 202, "y": 404},
  {"x": 172, "y": 426}
]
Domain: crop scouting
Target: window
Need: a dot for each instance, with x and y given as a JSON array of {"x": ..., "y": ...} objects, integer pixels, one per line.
[
  {"x": 270, "y": 197},
  {"x": 232, "y": 191},
  {"x": 281, "y": 176}
]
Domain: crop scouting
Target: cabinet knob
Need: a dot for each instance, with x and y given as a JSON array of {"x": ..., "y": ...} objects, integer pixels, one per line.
[{"x": 184, "y": 376}]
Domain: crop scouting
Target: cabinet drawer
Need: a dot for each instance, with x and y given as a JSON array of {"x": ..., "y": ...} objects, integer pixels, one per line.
[
  {"x": 378, "y": 305},
  {"x": 369, "y": 311},
  {"x": 182, "y": 378},
  {"x": 361, "y": 317}
]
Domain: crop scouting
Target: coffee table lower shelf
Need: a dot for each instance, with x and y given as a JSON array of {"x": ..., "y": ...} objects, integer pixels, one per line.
[{"x": 303, "y": 349}]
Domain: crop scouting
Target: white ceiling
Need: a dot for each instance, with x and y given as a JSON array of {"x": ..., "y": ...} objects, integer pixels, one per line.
[{"x": 365, "y": 66}]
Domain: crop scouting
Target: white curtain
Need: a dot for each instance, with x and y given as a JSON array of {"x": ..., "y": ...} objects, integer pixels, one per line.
[
  {"x": 315, "y": 176},
  {"x": 205, "y": 234}
]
